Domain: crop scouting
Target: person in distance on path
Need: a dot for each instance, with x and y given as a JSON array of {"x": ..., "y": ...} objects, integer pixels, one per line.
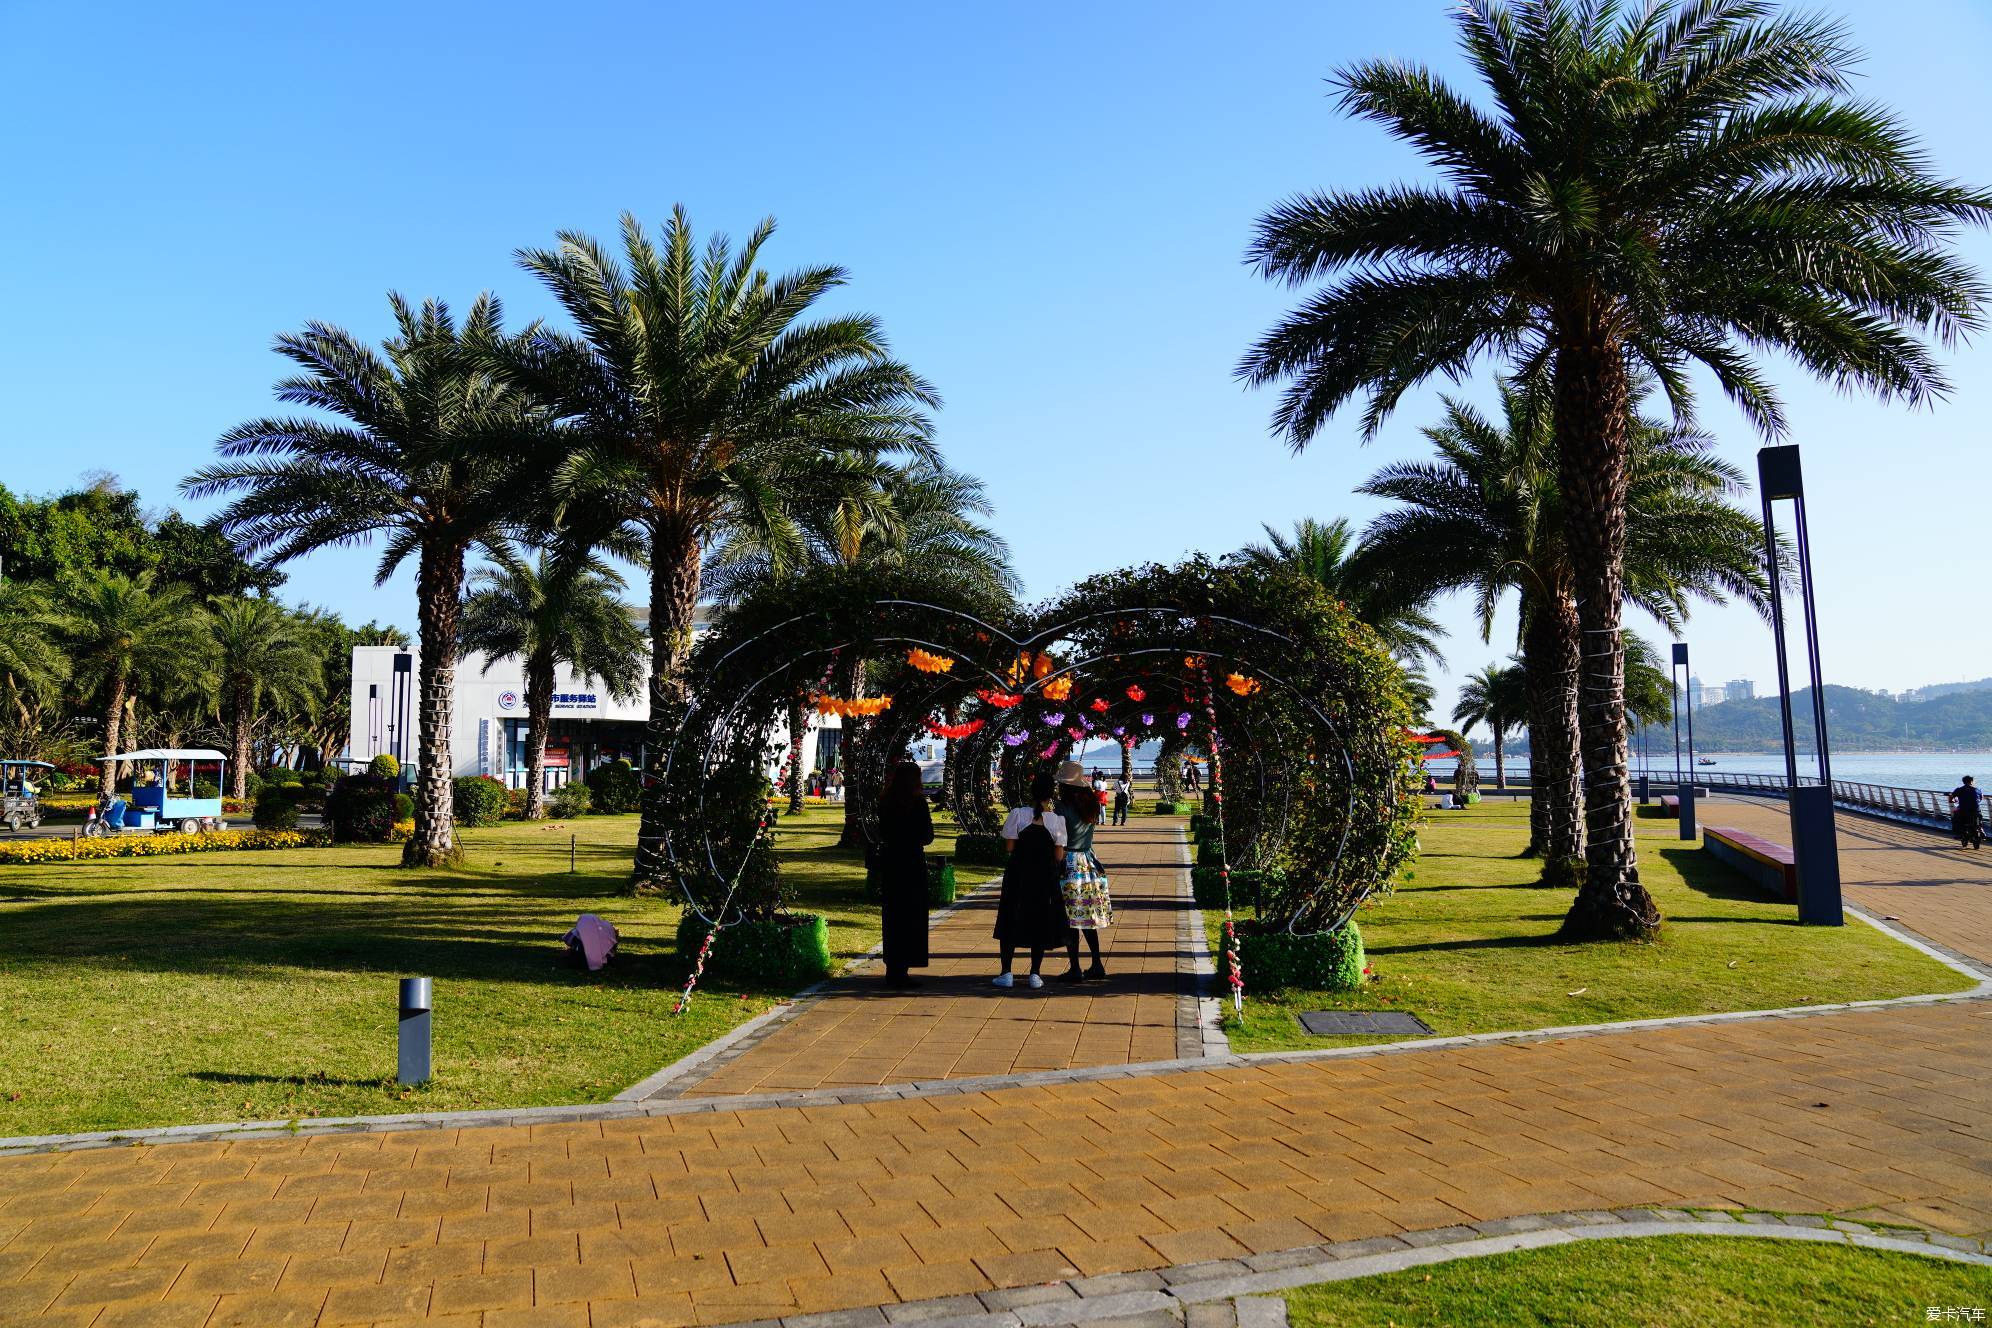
[{"x": 1967, "y": 814}]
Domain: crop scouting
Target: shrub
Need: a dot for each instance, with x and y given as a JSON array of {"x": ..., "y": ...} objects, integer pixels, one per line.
[
  {"x": 280, "y": 774},
  {"x": 275, "y": 810},
  {"x": 515, "y": 804},
  {"x": 1323, "y": 961},
  {"x": 58, "y": 781},
  {"x": 615, "y": 787},
  {"x": 404, "y": 809},
  {"x": 940, "y": 880},
  {"x": 980, "y": 850},
  {"x": 570, "y": 800},
  {"x": 1168, "y": 808},
  {"x": 384, "y": 766},
  {"x": 1246, "y": 886},
  {"x": 206, "y": 788},
  {"x": 787, "y": 951},
  {"x": 477, "y": 800},
  {"x": 360, "y": 810},
  {"x": 252, "y": 783}
]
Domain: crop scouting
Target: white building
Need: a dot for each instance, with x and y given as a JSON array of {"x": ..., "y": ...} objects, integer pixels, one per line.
[
  {"x": 588, "y": 727},
  {"x": 1739, "y": 689}
]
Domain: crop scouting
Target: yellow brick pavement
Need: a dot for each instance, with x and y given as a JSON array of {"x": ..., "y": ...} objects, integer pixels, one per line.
[
  {"x": 960, "y": 1027},
  {"x": 734, "y": 1215}
]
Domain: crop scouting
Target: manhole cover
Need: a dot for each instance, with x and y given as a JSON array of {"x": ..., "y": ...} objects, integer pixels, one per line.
[{"x": 1362, "y": 1023}]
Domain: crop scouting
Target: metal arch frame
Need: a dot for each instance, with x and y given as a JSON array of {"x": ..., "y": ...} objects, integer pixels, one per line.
[{"x": 724, "y": 726}]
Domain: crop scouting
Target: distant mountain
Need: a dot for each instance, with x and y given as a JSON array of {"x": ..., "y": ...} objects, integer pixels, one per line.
[
  {"x": 1858, "y": 721},
  {"x": 1943, "y": 689}
]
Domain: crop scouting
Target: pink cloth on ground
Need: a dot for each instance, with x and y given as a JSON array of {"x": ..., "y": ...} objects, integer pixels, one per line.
[{"x": 594, "y": 938}]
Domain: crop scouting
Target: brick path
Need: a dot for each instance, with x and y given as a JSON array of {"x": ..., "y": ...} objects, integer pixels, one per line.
[
  {"x": 737, "y": 1215},
  {"x": 960, "y": 1027}
]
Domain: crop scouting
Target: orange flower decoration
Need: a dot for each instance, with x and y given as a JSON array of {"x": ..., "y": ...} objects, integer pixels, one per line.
[
  {"x": 1058, "y": 689},
  {"x": 928, "y": 662},
  {"x": 861, "y": 708},
  {"x": 1100, "y": 704},
  {"x": 1241, "y": 684},
  {"x": 1194, "y": 662}
]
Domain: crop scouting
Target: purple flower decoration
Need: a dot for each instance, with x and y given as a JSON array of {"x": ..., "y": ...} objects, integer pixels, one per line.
[
  {"x": 1183, "y": 720},
  {"x": 1053, "y": 718},
  {"x": 1147, "y": 718},
  {"x": 1013, "y": 740},
  {"x": 1121, "y": 731}
]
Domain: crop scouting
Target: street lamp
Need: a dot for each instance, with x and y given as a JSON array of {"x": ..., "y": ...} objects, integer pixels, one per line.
[
  {"x": 1678, "y": 675},
  {"x": 1815, "y": 842}
]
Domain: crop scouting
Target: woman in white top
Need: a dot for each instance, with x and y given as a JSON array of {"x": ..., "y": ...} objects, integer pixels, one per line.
[{"x": 1030, "y": 914}]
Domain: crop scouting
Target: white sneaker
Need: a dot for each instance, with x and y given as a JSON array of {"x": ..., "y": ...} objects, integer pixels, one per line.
[
  {"x": 1035, "y": 981},
  {"x": 1005, "y": 981}
]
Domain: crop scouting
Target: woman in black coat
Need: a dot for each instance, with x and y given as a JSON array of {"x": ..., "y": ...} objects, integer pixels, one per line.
[{"x": 906, "y": 827}]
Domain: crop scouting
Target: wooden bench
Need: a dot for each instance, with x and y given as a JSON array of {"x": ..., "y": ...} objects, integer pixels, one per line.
[
  {"x": 1670, "y": 807},
  {"x": 1768, "y": 863}
]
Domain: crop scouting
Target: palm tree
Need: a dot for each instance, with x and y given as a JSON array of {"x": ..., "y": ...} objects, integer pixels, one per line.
[
  {"x": 853, "y": 511},
  {"x": 30, "y": 665},
  {"x": 1493, "y": 698},
  {"x": 1653, "y": 187},
  {"x": 433, "y": 450},
  {"x": 266, "y": 657},
  {"x": 119, "y": 633},
  {"x": 1487, "y": 517},
  {"x": 565, "y": 610},
  {"x": 700, "y": 392},
  {"x": 1322, "y": 552}
]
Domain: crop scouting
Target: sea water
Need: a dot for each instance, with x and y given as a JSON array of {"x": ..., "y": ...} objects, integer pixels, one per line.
[{"x": 1919, "y": 770}]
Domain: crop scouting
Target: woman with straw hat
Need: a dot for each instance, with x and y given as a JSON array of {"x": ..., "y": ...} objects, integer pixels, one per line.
[{"x": 1089, "y": 905}]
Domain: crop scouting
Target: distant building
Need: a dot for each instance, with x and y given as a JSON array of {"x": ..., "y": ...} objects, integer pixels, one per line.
[{"x": 1739, "y": 689}]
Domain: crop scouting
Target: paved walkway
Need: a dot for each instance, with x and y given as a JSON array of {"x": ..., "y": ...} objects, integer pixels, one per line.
[
  {"x": 726, "y": 1216},
  {"x": 960, "y": 1027}
]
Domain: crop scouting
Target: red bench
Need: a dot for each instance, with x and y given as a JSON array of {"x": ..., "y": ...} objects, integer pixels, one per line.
[
  {"x": 1670, "y": 807},
  {"x": 1764, "y": 861}
]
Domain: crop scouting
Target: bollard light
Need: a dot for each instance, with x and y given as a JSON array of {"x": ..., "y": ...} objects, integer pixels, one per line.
[
  {"x": 413, "y": 1064},
  {"x": 1680, "y": 675}
]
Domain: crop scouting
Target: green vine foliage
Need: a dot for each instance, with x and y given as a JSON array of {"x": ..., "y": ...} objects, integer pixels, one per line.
[{"x": 1319, "y": 784}]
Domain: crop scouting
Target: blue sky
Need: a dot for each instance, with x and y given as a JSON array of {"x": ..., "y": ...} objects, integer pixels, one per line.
[{"x": 1045, "y": 203}]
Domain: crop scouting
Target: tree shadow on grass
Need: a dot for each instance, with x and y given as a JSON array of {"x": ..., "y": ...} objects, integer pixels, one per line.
[
  {"x": 299, "y": 1080},
  {"x": 1544, "y": 940}
]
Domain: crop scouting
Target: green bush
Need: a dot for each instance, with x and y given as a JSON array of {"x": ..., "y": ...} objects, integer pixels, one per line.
[
  {"x": 980, "y": 850},
  {"x": 1325, "y": 961},
  {"x": 615, "y": 787},
  {"x": 940, "y": 880},
  {"x": 569, "y": 800},
  {"x": 1209, "y": 854},
  {"x": 275, "y": 809},
  {"x": 360, "y": 810},
  {"x": 206, "y": 788},
  {"x": 1167, "y": 808},
  {"x": 788, "y": 951},
  {"x": 252, "y": 783},
  {"x": 477, "y": 800},
  {"x": 1246, "y": 886},
  {"x": 384, "y": 766},
  {"x": 404, "y": 807},
  {"x": 280, "y": 774}
]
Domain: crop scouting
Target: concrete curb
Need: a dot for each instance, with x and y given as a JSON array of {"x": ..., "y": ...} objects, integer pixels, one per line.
[{"x": 1242, "y": 1293}]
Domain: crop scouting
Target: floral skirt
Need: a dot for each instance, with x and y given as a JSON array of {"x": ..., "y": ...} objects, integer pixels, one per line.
[{"x": 1088, "y": 902}]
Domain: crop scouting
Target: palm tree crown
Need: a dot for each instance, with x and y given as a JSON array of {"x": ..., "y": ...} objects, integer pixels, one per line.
[
  {"x": 265, "y": 657},
  {"x": 1324, "y": 552}
]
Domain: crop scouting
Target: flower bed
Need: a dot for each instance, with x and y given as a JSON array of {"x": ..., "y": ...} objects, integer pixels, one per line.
[{"x": 158, "y": 845}]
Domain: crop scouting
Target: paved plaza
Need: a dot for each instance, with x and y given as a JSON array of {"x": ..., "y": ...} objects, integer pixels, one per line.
[{"x": 724, "y": 1215}]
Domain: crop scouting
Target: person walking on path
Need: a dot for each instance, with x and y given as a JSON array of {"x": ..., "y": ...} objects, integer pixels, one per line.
[
  {"x": 906, "y": 827},
  {"x": 1089, "y": 904},
  {"x": 1030, "y": 912},
  {"x": 1122, "y": 796},
  {"x": 1967, "y": 814}
]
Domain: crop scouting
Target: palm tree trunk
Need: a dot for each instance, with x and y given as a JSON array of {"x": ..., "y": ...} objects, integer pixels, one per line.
[
  {"x": 439, "y": 594},
  {"x": 674, "y": 600},
  {"x": 1127, "y": 767},
  {"x": 798, "y": 723},
  {"x": 114, "y": 708},
  {"x": 539, "y": 714},
  {"x": 1500, "y": 763},
  {"x": 1593, "y": 410},
  {"x": 856, "y": 761},
  {"x": 241, "y": 750},
  {"x": 1551, "y": 661}
]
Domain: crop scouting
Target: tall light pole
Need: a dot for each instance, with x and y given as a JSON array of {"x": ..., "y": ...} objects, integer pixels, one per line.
[
  {"x": 1815, "y": 840},
  {"x": 1679, "y": 676}
]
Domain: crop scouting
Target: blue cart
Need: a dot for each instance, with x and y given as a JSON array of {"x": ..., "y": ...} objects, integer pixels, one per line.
[{"x": 162, "y": 792}]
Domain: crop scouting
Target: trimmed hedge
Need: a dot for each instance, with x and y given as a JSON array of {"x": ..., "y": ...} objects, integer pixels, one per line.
[
  {"x": 478, "y": 800},
  {"x": 1208, "y": 887},
  {"x": 615, "y": 787},
  {"x": 980, "y": 850},
  {"x": 940, "y": 880},
  {"x": 276, "y": 809},
  {"x": 792, "y": 950},
  {"x": 1166, "y": 808},
  {"x": 1325, "y": 961},
  {"x": 360, "y": 810}
]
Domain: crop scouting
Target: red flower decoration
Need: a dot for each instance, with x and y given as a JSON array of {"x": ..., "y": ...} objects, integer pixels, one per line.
[{"x": 1135, "y": 693}]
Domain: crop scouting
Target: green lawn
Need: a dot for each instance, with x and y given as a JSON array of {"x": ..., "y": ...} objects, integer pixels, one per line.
[
  {"x": 1704, "y": 1281},
  {"x": 1467, "y": 943},
  {"x": 226, "y": 986}
]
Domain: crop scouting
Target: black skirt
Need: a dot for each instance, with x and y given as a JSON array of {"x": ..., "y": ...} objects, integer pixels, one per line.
[{"x": 1030, "y": 913}]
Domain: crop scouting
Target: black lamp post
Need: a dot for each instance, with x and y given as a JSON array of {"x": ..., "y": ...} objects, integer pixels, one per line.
[
  {"x": 1815, "y": 842},
  {"x": 1684, "y": 787}
]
